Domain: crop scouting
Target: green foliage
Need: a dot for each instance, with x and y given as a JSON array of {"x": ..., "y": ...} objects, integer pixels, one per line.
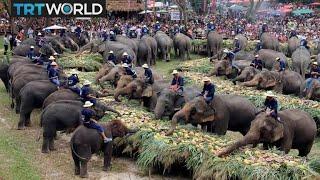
[{"x": 89, "y": 62}]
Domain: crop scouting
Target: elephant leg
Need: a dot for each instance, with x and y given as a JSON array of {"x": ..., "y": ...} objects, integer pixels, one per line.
[
  {"x": 45, "y": 145},
  {"x": 17, "y": 105},
  {"x": 107, "y": 156},
  {"x": 21, "y": 124},
  {"x": 188, "y": 54},
  {"x": 83, "y": 169},
  {"x": 51, "y": 144},
  {"x": 304, "y": 150},
  {"x": 76, "y": 164},
  {"x": 221, "y": 126},
  {"x": 28, "y": 121}
]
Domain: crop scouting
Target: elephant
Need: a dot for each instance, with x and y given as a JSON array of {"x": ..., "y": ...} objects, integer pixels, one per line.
[
  {"x": 55, "y": 42},
  {"x": 242, "y": 40},
  {"x": 53, "y": 119},
  {"x": 223, "y": 67},
  {"x": 165, "y": 44},
  {"x": 85, "y": 142},
  {"x": 4, "y": 75},
  {"x": 247, "y": 74},
  {"x": 215, "y": 41},
  {"x": 297, "y": 130},
  {"x": 129, "y": 42},
  {"x": 113, "y": 75},
  {"x": 169, "y": 101},
  {"x": 144, "y": 55},
  {"x": 287, "y": 82},
  {"x": 118, "y": 50},
  {"x": 104, "y": 70},
  {"x": 293, "y": 44},
  {"x": 137, "y": 89},
  {"x": 67, "y": 94},
  {"x": 225, "y": 112},
  {"x": 182, "y": 46},
  {"x": 269, "y": 56},
  {"x": 152, "y": 43},
  {"x": 269, "y": 41},
  {"x": 32, "y": 96},
  {"x": 22, "y": 50},
  {"x": 314, "y": 92},
  {"x": 243, "y": 55},
  {"x": 301, "y": 60},
  {"x": 92, "y": 46}
]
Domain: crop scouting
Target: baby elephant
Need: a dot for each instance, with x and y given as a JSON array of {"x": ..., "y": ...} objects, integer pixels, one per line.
[
  {"x": 86, "y": 142},
  {"x": 295, "y": 130}
]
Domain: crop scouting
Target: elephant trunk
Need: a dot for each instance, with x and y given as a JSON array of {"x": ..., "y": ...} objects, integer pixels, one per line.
[
  {"x": 61, "y": 46},
  {"x": 251, "y": 83},
  {"x": 105, "y": 78},
  {"x": 159, "y": 110},
  {"x": 75, "y": 44},
  {"x": 250, "y": 138},
  {"x": 121, "y": 91},
  {"x": 107, "y": 108},
  {"x": 180, "y": 114}
]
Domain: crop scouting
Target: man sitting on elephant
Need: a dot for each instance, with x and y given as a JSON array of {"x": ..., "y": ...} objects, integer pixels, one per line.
[
  {"x": 157, "y": 26},
  {"x": 210, "y": 27},
  {"x": 112, "y": 59},
  {"x": 258, "y": 46},
  {"x": 51, "y": 60},
  {"x": 208, "y": 90},
  {"x": 129, "y": 71},
  {"x": 127, "y": 59},
  {"x": 88, "y": 113},
  {"x": 236, "y": 45},
  {"x": 257, "y": 63},
  {"x": 85, "y": 93},
  {"x": 54, "y": 74},
  {"x": 271, "y": 105},
  {"x": 293, "y": 33},
  {"x": 144, "y": 31},
  {"x": 282, "y": 64},
  {"x": 177, "y": 83},
  {"x": 314, "y": 75},
  {"x": 73, "y": 80},
  {"x": 230, "y": 57},
  {"x": 113, "y": 36},
  {"x": 31, "y": 54},
  {"x": 148, "y": 74}
]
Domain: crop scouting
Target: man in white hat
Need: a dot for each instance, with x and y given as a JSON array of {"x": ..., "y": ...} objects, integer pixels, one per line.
[
  {"x": 257, "y": 63},
  {"x": 51, "y": 59},
  {"x": 111, "y": 58},
  {"x": 304, "y": 43},
  {"x": 129, "y": 71},
  {"x": 314, "y": 75},
  {"x": 73, "y": 80},
  {"x": 157, "y": 26},
  {"x": 236, "y": 45},
  {"x": 208, "y": 90},
  {"x": 177, "y": 82},
  {"x": 31, "y": 54},
  {"x": 230, "y": 56},
  {"x": 282, "y": 64},
  {"x": 271, "y": 105},
  {"x": 87, "y": 115},
  {"x": 113, "y": 36},
  {"x": 54, "y": 74},
  {"x": 133, "y": 33},
  {"x": 293, "y": 33},
  {"x": 210, "y": 27},
  {"x": 85, "y": 94},
  {"x": 258, "y": 46},
  {"x": 127, "y": 59},
  {"x": 148, "y": 74},
  {"x": 144, "y": 31}
]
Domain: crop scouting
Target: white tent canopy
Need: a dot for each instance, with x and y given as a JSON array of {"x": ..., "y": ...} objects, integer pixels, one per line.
[{"x": 54, "y": 27}]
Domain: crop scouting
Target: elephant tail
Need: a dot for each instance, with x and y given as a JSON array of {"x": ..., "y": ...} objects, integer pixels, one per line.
[
  {"x": 73, "y": 149},
  {"x": 39, "y": 134}
]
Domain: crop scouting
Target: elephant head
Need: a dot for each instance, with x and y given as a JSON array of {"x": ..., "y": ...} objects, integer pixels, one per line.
[
  {"x": 263, "y": 129},
  {"x": 134, "y": 89},
  {"x": 104, "y": 70},
  {"x": 69, "y": 43},
  {"x": 165, "y": 102},
  {"x": 47, "y": 49},
  {"x": 118, "y": 128},
  {"x": 263, "y": 80},
  {"x": 101, "y": 109},
  {"x": 84, "y": 38},
  {"x": 196, "y": 110},
  {"x": 114, "y": 75},
  {"x": 221, "y": 68},
  {"x": 247, "y": 74}
]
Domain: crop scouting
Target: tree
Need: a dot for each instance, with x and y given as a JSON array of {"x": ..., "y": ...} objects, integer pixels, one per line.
[
  {"x": 182, "y": 4},
  {"x": 254, "y": 7}
]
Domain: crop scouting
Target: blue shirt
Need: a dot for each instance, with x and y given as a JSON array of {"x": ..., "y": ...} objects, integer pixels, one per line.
[
  {"x": 112, "y": 58},
  {"x": 271, "y": 104},
  {"x": 237, "y": 46},
  {"x": 73, "y": 80},
  {"x": 315, "y": 70},
  {"x": 282, "y": 65},
  {"x": 177, "y": 81},
  {"x": 127, "y": 60},
  {"x": 148, "y": 75},
  {"x": 131, "y": 72},
  {"x": 87, "y": 114},
  {"x": 145, "y": 30},
  {"x": 211, "y": 27},
  {"x": 31, "y": 54},
  {"x": 85, "y": 91},
  {"x": 78, "y": 31},
  {"x": 157, "y": 26},
  {"x": 230, "y": 55},
  {"x": 209, "y": 90},
  {"x": 304, "y": 43},
  {"x": 257, "y": 62},
  {"x": 258, "y": 46},
  {"x": 53, "y": 73}
]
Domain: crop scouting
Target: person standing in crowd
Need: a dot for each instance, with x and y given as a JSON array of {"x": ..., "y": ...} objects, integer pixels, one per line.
[
  {"x": 30, "y": 32},
  {"x": 6, "y": 43}
]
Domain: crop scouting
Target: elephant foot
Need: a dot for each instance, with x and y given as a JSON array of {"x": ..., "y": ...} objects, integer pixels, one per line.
[
  {"x": 21, "y": 127},
  {"x": 28, "y": 124},
  {"x": 12, "y": 105},
  {"x": 84, "y": 175},
  {"x": 77, "y": 171},
  {"x": 45, "y": 151},
  {"x": 106, "y": 168}
]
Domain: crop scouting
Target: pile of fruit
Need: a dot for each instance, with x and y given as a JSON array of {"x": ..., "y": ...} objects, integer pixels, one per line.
[{"x": 87, "y": 62}]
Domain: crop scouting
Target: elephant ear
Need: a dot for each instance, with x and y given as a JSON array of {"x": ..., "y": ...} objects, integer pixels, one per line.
[
  {"x": 200, "y": 107},
  {"x": 147, "y": 92},
  {"x": 271, "y": 82}
]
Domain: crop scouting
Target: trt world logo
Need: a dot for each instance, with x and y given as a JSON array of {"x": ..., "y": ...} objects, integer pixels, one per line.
[{"x": 49, "y": 8}]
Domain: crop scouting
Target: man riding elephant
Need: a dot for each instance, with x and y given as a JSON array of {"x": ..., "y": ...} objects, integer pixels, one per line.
[
  {"x": 208, "y": 90},
  {"x": 314, "y": 75},
  {"x": 177, "y": 82},
  {"x": 73, "y": 80},
  {"x": 85, "y": 93},
  {"x": 257, "y": 63},
  {"x": 271, "y": 105},
  {"x": 230, "y": 57},
  {"x": 53, "y": 74}
]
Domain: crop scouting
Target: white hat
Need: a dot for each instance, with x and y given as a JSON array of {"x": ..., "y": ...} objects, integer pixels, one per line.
[
  {"x": 55, "y": 54},
  {"x": 125, "y": 54},
  {"x": 144, "y": 25},
  {"x": 157, "y": 22},
  {"x": 225, "y": 50},
  {"x": 145, "y": 66},
  {"x": 39, "y": 34},
  {"x": 125, "y": 65},
  {"x": 111, "y": 32},
  {"x": 258, "y": 40},
  {"x": 175, "y": 72},
  {"x": 88, "y": 104},
  {"x": 236, "y": 38},
  {"x": 110, "y": 52},
  {"x": 31, "y": 47},
  {"x": 73, "y": 71},
  {"x": 86, "y": 82},
  {"x": 206, "y": 79},
  {"x": 278, "y": 58},
  {"x": 315, "y": 63},
  {"x": 51, "y": 58},
  {"x": 53, "y": 64},
  {"x": 270, "y": 94},
  {"x": 256, "y": 55}
]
